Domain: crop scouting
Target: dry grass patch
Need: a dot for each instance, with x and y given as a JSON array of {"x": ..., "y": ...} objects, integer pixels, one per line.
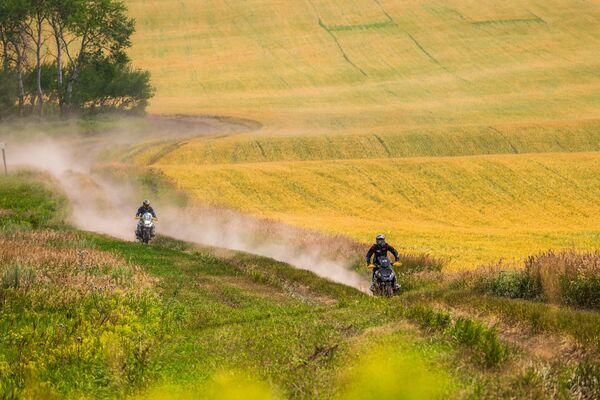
[{"x": 44, "y": 259}]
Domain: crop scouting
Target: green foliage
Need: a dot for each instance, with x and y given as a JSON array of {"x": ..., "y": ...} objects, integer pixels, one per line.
[
  {"x": 429, "y": 318},
  {"x": 465, "y": 331},
  {"x": 481, "y": 338},
  {"x": 567, "y": 278},
  {"x": 28, "y": 200},
  {"x": 106, "y": 84},
  {"x": 8, "y": 93},
  {"x": 513, "y": 284},
  {"x": 581, "y": 291},
  {"x": 92, "y": 38}
]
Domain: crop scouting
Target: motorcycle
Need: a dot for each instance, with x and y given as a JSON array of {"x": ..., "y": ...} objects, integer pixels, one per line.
[
  {"x": 145, "y": 229},
  {"x": 385, "y": 277}
]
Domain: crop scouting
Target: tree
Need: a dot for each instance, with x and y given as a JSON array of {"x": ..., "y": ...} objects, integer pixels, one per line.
[
  {"x": 108, "y": 84},
  {"x": 71, "y": 53},
  {"x": 96, "y": 27},
  {"x": 34, "y": 28},
  {"x": 13, "y": 14}
]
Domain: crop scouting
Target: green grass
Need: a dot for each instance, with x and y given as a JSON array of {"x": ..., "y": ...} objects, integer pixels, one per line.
[
  {"x": 29, "y": 200},
  {"x": 88, "y": 315},
  {"x": 131, "y": 319}
]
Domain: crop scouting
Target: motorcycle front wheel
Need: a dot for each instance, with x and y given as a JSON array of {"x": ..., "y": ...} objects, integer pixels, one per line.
[{"x": 389, "y": 290}]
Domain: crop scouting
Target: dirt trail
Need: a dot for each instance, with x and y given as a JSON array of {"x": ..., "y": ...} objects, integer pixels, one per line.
[{"x": 102, "y": 205}]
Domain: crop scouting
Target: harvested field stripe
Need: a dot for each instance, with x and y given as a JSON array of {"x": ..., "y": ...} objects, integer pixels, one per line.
[
  {"x": 512, "y": 146},
  {"x": 383, "y": 10},
  {"x": 432, "y": 58},
  {"x": 341, "y": 48},
  {"x": 380, "y": 140},
  {"x": 535, "y": 20}
]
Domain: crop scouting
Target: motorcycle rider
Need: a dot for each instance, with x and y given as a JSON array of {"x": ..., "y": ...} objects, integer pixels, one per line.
[
  {"x": 380, "y": 249},
  {"x": 144, "y": 208}
]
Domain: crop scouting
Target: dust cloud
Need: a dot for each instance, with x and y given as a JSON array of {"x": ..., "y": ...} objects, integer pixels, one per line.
[{"x": 100, "y": 204}]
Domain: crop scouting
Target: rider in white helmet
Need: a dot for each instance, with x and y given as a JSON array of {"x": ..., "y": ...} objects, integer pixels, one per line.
[{"x": 144, "y": 208}]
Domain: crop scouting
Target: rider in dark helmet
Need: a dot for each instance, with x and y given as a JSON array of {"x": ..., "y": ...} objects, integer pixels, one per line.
[
  {"x": 145, "y": 208},
  {"x": 380, "y": 249}
]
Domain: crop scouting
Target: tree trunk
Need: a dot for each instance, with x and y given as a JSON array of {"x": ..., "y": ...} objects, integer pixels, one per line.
[
  {"x": 5, "y": 57},
  {"x": 21, "y": 87},
  {"x": 59, "y": 77},
  {"x": 21, "y": 90},
  {"x": 38, "y": 65}
]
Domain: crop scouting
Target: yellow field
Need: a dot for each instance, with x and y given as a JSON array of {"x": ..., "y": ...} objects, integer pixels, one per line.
[
  {"x": 372, "y": 65},
  {"x": 392, "y": 116},
  {"x": 578, "y": 136},
  {"x": 471, "y": 209}
]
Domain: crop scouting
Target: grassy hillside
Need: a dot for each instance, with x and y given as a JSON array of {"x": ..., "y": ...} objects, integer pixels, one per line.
[
  {"x": 371, "y": 65},
  {"x": 257, "y": 147},
  {"x": 85, "y": 315}
]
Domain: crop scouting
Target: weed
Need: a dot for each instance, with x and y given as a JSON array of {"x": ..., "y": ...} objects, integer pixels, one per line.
[
  {"x": 18, "y": 277},
  {"x": 585, "y": 380}
]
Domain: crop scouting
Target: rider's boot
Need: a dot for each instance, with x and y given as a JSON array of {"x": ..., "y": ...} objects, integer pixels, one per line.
[{"x": 396, "y": 286}]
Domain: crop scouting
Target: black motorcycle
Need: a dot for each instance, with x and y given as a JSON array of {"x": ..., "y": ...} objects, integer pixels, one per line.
[{"x": 385, "y": 278}]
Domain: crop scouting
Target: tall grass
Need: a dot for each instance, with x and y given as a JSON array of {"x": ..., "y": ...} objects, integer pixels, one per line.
[
  {"x": 484, "y": 341},
  {"x": 569, "y": 277}
]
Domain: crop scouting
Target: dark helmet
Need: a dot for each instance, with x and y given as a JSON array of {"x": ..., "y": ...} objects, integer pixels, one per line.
[
  {"x": 380, "y": 239},
  {"x": 146, "y": 203}
]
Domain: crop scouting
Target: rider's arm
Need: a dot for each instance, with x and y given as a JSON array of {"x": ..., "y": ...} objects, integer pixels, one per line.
[
  {"x": 369, "y": 255},
  {"x": 139, "y": 212},
  {"x": 152, "y": 212},
  {"x": 394, "y": 252}
]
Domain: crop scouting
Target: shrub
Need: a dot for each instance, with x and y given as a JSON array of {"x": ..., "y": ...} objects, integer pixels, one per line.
[
  {"x": 580, "y": 291},
  {"x": 511, "y": 283},
  {"x": 568, "y": 277}
]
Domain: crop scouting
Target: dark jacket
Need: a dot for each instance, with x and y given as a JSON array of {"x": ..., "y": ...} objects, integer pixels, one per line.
[
  {"x": 377, "y": 251},
  {"x": 142, "y": 210}
]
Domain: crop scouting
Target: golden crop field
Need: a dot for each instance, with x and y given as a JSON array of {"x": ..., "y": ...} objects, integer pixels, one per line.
[
  {"x": 392, "y": 116},
  {"x": 471, "y": 209},
  {"x": 371, "y": 65}
]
